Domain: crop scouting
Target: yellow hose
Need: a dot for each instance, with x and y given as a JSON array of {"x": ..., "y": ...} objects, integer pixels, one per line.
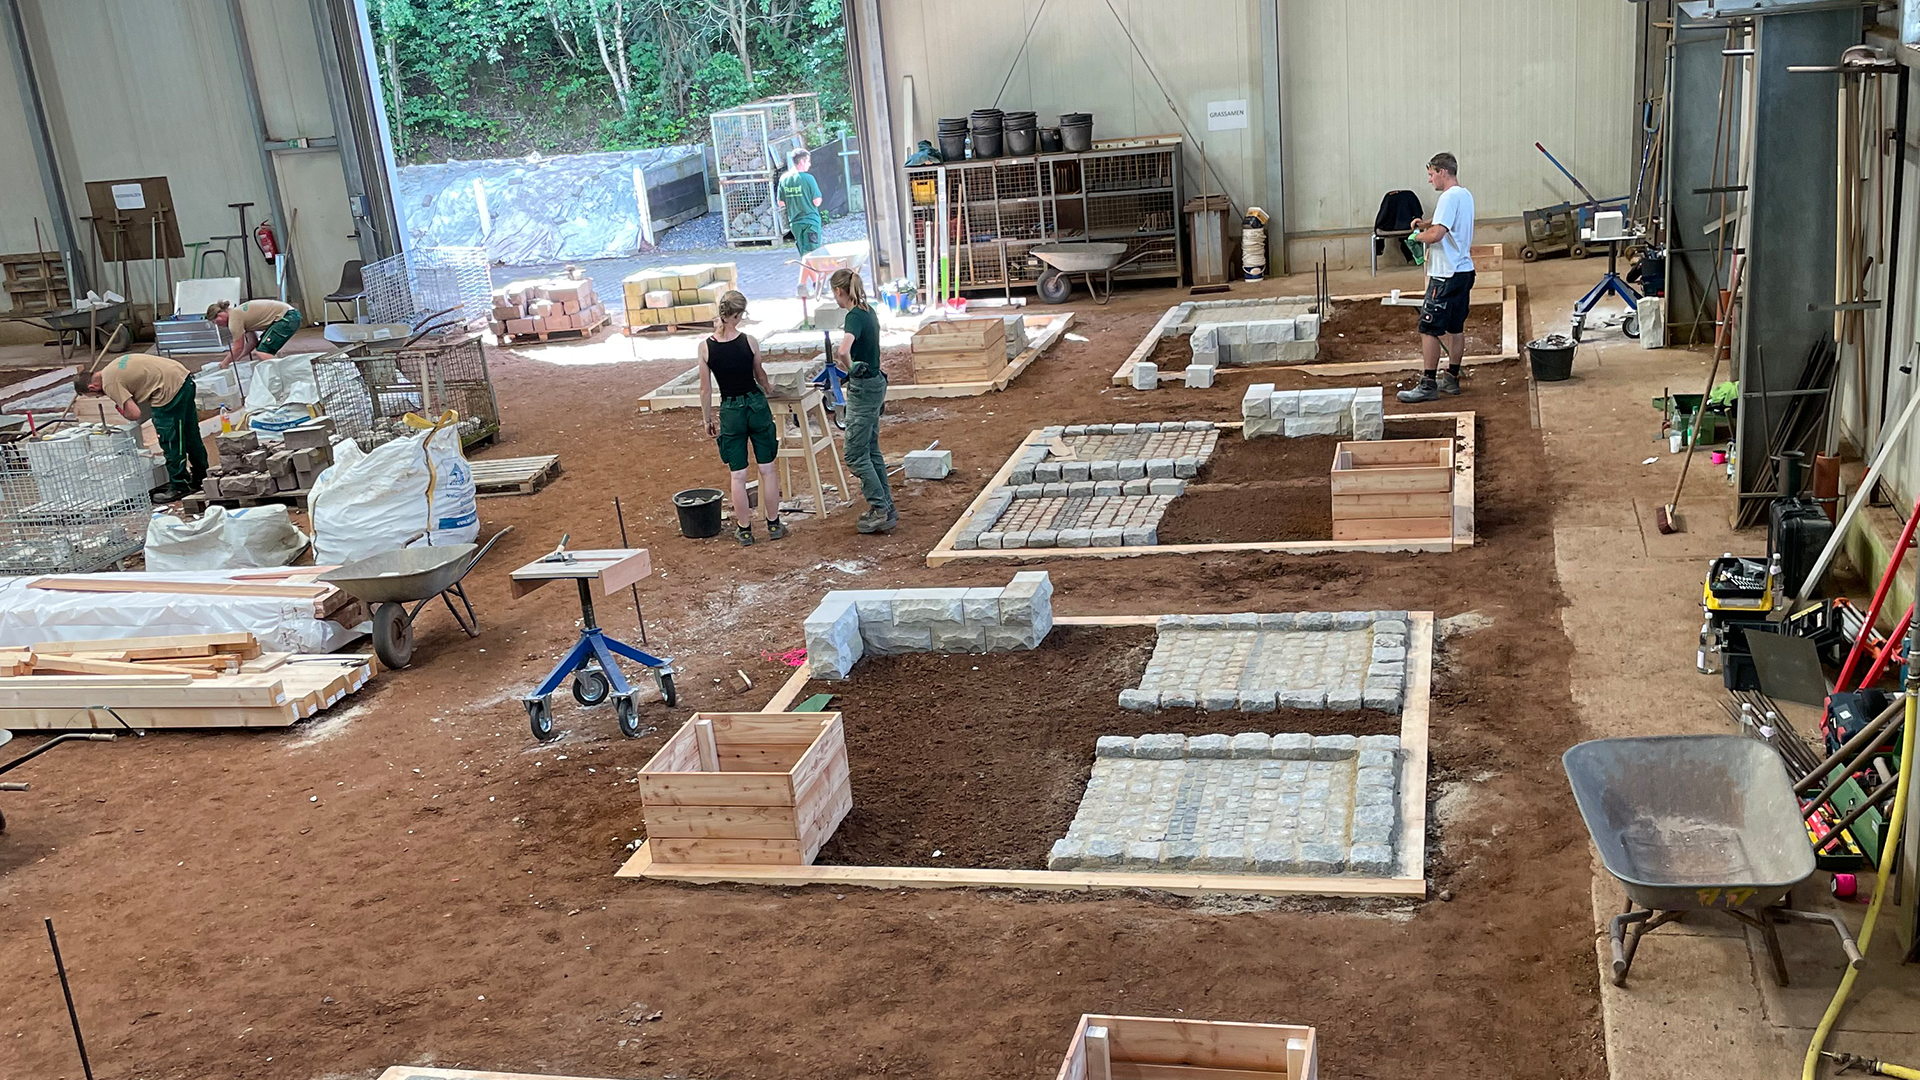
[{"x": 1887, "y": 859}]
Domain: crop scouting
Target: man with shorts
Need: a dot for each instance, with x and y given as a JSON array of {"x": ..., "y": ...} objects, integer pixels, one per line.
[
  {"x": 1449, "y": 237},
  {"x": 158, "y": 388},
  {"x": 800, "y": 201},
  {"x": 274, "y": 321}
]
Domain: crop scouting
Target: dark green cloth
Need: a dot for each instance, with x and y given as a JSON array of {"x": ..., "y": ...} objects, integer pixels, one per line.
[
  {"x": 747, "y": 420},
  {"x": 797, "y": 192},
  {"x": 864, "y": 326},
  {"x": 865, "y": 398},
  {"x": 178, "y": 425},
  {"x": 277, "y": 334},
  {"x": 806, "y": 237}
]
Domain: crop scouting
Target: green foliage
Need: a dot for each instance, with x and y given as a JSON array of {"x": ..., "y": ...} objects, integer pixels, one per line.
[{"x": 485, "y": 78}]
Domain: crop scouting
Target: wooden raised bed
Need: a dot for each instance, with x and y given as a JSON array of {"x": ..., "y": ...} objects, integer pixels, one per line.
[
  {"x": 730, "y": 788},
  {"x": 1398, "y": 489},
  {"x": 1159, "y": 1048},
  {"x": 960, "y": 350}
]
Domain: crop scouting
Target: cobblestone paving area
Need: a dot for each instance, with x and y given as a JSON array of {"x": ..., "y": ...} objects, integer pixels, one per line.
[
  {"x": 1143, "y": 445},
  {"x": 1084, "y": 512},
  {"x": 1255, "y": 663},
  {"x": 1038, "y": 465},
  {"x": 1251, "y": 803}
]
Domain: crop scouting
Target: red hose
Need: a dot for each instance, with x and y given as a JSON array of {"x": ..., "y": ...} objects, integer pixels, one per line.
[{"x": 1880, "y": 597}]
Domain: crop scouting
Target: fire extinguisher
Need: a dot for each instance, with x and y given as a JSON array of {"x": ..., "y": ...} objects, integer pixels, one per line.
[{"x": 269, "y": 244}]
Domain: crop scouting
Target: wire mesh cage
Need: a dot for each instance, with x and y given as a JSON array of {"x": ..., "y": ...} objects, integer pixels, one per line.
[
  {"x": 740, "y": 141},
  {"x": 369, "y": 395},
  {"x": 749, "y": 211},
  {"x": 72, "y": 502},
  {"x": 412, "y": 285},
  {"x": 1131, "y": 171}
]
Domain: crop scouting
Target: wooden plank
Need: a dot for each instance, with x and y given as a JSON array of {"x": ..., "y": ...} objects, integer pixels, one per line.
[
  {"x": 142, "y": 718},
  {"x": 1132, "y": 1070},
  {"x": 829, "y": 748},
  {"x": 74, "y": 665},
  {"x": 716, "y": 789},
  {"x": 1414, "y": 746},
  {"x": 819, "y": 826},
  {"x": 721, "y": 852},
  {"x": 613, "y": 568},
  {"x": 677, "y": 755},
  {"x": 1395, "y": 528},
  {"x": 211, "y": 694},
  {"x": 1463, "y": 482},
  {"x": 1123, "y": 375},
  {"x": 703, "y": 743},
  {"x": 731, "y": 822},
  {"x": 196, "y": 588},
  {"x": 998, "y": 480},
  {"x": 1148, "y": 1040},
  {"x": 939, "y": 557},
  {"x": 748, "y": 757},
  {"x": 1425, "y": 504},
  {"x": 1099, "y": 1053},
  {"x": 790, "y": 690},
  {"x": 1056, "y": 329},
  {"x": 768, "y": 727},
  {"x": 1383, "y": 479},
  {"x": 1368, "y": 453}
]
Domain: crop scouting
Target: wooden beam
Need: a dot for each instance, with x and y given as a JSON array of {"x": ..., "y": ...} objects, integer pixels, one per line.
[
  {"x": 789, "y": 691},
  {"x": 1413, "y": 746},
  {"x": 74, "y": 665},
  {"x": 703, "y": 739}
]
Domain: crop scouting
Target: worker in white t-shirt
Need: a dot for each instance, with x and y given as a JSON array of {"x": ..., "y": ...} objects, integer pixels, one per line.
[{"x": 1449, "y": 238}]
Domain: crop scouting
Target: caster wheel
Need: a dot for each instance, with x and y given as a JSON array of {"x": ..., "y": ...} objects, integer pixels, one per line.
[
  {"x": 628, "y": 714},
  {"x": 540, "y": 716},
  {"x": 665, "y": 681},
  {"x": 840, "y": 416},
  {"x": 392, "y": 636},
  {"x": 590, "y": 686},
  {"x": 1529, "y": 253},
  {"x": 1053, "y": 287},
  {"x": 1577, "y": 251},
  {"x": 1630, "y": 326}
]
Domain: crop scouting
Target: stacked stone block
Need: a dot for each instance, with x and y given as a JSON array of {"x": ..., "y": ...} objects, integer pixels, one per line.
[
  {"x": 1111, "y": 493},
  {"x": 1349, "y": 412},
  {"x": 1287, "y": 339},
  {"x": 1249, "y": 662},
  {"x": 851, "y": 623},
  {"x": 1248, "y": 803}
]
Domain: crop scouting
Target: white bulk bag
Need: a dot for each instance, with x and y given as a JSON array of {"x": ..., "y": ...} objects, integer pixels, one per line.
[
  {"x": 224, "y": 539},
  {"x": 367, "y": 503}
]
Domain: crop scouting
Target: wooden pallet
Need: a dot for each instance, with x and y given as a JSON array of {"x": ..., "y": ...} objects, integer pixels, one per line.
[
  {"x": 671, "y": 328},
  {"x": 199, "y": 501},
  {"x": 583, "y": 332},
  {"x": 514, "y": 476}
]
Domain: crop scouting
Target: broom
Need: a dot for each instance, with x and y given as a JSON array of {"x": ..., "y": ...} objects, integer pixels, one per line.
[{"x": 1665, "y": 518}]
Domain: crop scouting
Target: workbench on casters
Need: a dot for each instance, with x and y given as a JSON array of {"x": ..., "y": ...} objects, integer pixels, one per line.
[{"x": 591, "y": 663}]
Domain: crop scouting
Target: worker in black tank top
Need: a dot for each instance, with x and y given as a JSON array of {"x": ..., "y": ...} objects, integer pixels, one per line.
[{"x": 732, "y": 359}]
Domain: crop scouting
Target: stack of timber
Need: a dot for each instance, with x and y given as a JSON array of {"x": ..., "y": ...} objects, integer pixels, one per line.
[
  {"x": 329, "y": 602},
  {"x": 960, "y": 351},
  {"x": 185, "y": 681}
]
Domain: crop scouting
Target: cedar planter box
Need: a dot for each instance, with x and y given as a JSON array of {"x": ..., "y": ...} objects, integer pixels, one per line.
[
  {"x": 960, "y": 350},
  {"x": 1397, "y": 489},
  {"x": 1157, "y": 1048},
  {"x": 747, "y": 788}
]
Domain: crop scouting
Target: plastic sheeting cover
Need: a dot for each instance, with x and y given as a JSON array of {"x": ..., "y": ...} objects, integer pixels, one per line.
[
  {"x": 31, "y": 615},
  {"x": 541, "y": 210}
]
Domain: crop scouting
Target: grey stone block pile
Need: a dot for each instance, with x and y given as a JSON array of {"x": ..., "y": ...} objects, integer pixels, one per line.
[
  {"x": 1349, "y": 412},
  {"x": 1250, "y": 662},
  {"x": 851, "y": 623}
]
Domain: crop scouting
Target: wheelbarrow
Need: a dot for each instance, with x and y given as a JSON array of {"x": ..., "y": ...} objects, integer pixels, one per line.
[
  {"x": 1055, "y": 287},
  {"x": 76, "y": 329},
  {"x": 393, "y": 579},
  {"x": 1695, "y": 823},
  {"x": 71, "y": 736}
]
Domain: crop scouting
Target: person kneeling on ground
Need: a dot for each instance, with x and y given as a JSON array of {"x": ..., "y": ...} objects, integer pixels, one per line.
[
  {"x": 1449, "y": 240},
  {"x": 732, "y": 359},
  {"x": 142, "y": 386},
  {"x": 274, "y": 321},
  {"x": 866, "y": 395}
]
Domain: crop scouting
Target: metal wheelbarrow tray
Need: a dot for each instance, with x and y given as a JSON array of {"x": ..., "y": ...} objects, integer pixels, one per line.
[
  {"x": 1695, "y": 823},
  {"x": 393, "y": 579},
  {"x": 1080, "y": 257}
]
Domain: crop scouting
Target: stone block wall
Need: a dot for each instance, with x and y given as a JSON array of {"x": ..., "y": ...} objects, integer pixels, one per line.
[
  {"x": 1349, "y": 412},
  {"x": 851, "y": 623},
  {"x": 1287, "y": 339}
]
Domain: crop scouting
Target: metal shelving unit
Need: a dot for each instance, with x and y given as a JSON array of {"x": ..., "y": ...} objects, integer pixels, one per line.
[{"x": 984, "y": 215}]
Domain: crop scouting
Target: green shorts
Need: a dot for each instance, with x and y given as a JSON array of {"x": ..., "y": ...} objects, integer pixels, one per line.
[
  {"x": 277, "y": 334},
  {"x": 746, "y": 420},
  {"x": 806, "y": 236}
]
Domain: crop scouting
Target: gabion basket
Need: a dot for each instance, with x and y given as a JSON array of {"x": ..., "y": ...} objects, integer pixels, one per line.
[
  {"x": 749, "y": 211},
  {"x": 415, "y": 284},
  {"x": 740, "y": 141},
  {"x": 369, "y": 395},
  {"x": 72, "y": 502}
]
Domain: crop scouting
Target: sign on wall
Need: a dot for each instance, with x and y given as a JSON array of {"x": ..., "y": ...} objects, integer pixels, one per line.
[{"x": 1226, "y": 115}]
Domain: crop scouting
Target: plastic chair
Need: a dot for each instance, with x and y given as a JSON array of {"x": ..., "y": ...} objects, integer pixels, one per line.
[{"x": 352, "y": 290}]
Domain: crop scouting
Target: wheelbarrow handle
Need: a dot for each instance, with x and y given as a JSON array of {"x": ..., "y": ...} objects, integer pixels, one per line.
[
  {"x": 486, "y": 547},
  {"x": 1854, "y": 959},
  {"x": 16, "y": 787}
]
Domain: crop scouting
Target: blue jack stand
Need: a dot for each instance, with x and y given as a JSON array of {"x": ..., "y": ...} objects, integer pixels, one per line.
[
  {"x": 1611, "y": 283},
  {"x": 595, "y": 671}
]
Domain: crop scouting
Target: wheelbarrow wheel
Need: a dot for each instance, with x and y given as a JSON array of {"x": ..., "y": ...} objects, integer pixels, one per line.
[
  {"x": 1053, "y": 286},
  {"x": 665, "y": 681},
  {"x": 590, "y": 686},
  {"x": 540, "y": 716},
  {"x": 392, "y": 636},
  {"x": 628, "y": 715}
]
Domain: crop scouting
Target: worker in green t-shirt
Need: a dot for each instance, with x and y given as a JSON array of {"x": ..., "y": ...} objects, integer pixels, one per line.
[
  {"x": 866, "y": 394},
  {"x": 800, "y": 200}
]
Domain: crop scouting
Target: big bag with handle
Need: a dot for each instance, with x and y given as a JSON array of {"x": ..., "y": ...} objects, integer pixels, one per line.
[{"x": 411, "y": 491}]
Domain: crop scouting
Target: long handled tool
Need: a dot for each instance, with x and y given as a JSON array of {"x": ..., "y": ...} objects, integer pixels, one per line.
[
  {"x": 1893, "y": 437},
  {"x": 1664, "y": 518},
  {"x": 1591, "y": 201}
]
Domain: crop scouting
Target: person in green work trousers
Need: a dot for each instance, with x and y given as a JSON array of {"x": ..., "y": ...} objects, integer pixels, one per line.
[
  {"x": 274, "y": 321},
  {"x": 866, "y": 394},
  {"x": 158, "y": 388},
  {"x": 800, "y": 201},
  {"x": 732, "y": 359}
]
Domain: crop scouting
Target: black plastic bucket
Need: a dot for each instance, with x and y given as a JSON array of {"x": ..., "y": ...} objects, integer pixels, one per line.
[
  {"x": 1552, "y": 358},
  {"x": 700, "y": 512},
  {"x": 1021, "y": 142},
  {"x": 1050, "y": 140},
  {"x": 986, "y": 144},
  {"x": 953, "y": 147},
  {"x": 1076, "y": 138}
]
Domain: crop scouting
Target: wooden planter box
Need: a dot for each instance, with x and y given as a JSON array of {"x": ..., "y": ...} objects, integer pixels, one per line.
[
  {"x": 1398, "y": 489},
  {"x": 747, "y": 788},
  {"x": 1156, "y": 1048},
  {"x": 960, "y": 350}
]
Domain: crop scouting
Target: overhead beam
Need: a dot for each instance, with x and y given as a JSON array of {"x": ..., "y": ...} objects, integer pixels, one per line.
[{"x": 276, "y": 207}]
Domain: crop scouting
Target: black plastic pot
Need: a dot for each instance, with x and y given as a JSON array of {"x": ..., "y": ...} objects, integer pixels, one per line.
[
  {"x": 1552, "y": 361},
  {"x": 953, "y": 147},
  {"x": 700, "y": 512},
  {"x": 986, "y": 144},
  {"x": 1050, "y": 140},
  {"x": 1021, "y": 142},
  {"x": 1076, "y": 138}
]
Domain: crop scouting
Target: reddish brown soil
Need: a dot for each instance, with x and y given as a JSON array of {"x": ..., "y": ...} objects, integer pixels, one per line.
[
  {"x": 994, "y": 784},
  {"x": 1364, "y": 331},
  {"x": 305, "y": 903}
]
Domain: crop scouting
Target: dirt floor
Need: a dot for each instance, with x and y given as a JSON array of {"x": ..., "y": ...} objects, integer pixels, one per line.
[
  {"x": 413, "y": 879},
  {"x": 995, "y": 783},
  {"x": 1363, "y": 331}
]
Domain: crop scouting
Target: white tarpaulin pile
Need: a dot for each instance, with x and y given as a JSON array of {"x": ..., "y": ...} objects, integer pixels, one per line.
[
  {"x": 223, "y": 539},
  {"x": 282, "y": 625}
]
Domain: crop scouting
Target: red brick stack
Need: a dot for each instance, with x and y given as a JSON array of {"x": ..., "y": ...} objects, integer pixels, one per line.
[{"x": 537, "y": 307}]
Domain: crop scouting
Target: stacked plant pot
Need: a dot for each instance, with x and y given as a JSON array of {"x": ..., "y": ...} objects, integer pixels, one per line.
[
  {"x": 1021, "y": 134},
  {"x": 988, "y": 132},
  {"x": 953, "y": 138},
  {"x": 1076, "y": 132}
]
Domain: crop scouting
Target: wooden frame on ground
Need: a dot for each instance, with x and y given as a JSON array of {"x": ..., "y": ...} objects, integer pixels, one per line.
[
  {"x": 1410, "y": 882},
  {"x": 1047, "y": 338},
  {"x": 1178, "y": 1048},
  {"x": 1509, "y": 344},
  {"x": 944, "y": 552}
]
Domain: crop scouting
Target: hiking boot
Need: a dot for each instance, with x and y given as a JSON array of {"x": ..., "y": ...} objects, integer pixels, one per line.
[
  {"x": 1424, "y": 390},
  {"x": 876, "y": 521},
  {"x": 776, "y": 530},
  {"x": 1447, "y": 382},
  {"x": 172, "y": 495},
  {"x": 744, "y": 534}
]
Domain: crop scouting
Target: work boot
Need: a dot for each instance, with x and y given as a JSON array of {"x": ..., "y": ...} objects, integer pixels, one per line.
[
  {"x": 1427, "y": 389},
  {"x": 776, "y": 530},
  {"x": 877, "y": 521},
  {"x": 744, "y": 534},
  {"x": 1447, "y": 382}
]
